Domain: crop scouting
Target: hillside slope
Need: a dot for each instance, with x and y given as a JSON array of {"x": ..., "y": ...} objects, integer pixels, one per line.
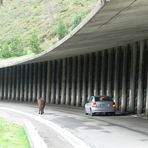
[{"x": 30, "y": 26}]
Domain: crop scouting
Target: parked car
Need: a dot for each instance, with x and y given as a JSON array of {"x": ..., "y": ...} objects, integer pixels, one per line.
[{"x": 100, "y": 104}]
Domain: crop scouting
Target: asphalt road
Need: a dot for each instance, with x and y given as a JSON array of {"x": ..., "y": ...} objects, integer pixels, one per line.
[{"x": 96, "y": 132}]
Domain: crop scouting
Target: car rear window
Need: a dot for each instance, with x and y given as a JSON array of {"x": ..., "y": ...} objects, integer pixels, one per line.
[{"x": 103, "y": 98}]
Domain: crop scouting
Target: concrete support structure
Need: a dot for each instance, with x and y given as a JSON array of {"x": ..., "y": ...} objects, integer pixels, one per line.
[
  {"x": 90, "y": 76},
  {"x": 68, "y": 82},
  {"x": 132, "y": 79},
  {"x": 102, "y": 90},
  {"x": 96, "y": 80},
  {"x": 63, "y": 87},
  {"x": 53, "y": 82},
  {"x": 124, "y": 81},
  {"x": 84, "y": 80},
  {"x": 48, "y": 86},
  {"x": 140, "y": 80},
  {"x": 117, "y": 72},
  {"x": 79, "y": 78},
  {"x": 30, "y": 80},
  {"x": 109, "y": 75},
  {"x": 13, "y": 84},
  {"x": 34, "y": 95},
  {"x": 17, "y": 83},
  {"x": 116, "y": 78},
  {"x": 58, "y": 81},
  {"x": 74, "y": 75}
]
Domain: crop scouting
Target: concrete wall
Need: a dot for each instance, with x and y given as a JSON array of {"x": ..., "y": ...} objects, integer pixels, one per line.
[{"x": 121, "y": 72}]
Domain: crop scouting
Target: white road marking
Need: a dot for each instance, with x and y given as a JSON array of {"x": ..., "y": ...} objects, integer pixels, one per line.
[
  {"x": 35, "y": 140},
  {"x": 73, "y": 140}
]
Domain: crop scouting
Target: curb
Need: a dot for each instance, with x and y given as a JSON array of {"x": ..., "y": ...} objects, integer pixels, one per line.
[{"x": 34, "y": 138}]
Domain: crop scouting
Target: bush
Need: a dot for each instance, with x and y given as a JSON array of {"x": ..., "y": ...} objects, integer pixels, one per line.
[
  {"x": 35, "y": 43},
  {"x": 11, "y": 48},
  {"x": 62, "y": 30},
  {"x": 77, "y": 20}
]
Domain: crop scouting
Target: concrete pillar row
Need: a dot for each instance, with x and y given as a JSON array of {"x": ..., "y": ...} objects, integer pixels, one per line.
[
  {"x": 102, "y": 89},
  {"x": 63, "y": 85},
  {"x": 74, "y": 75},
  {"x": 43, "y": 88},
  {"x": 68, "y": 82},
  {"x": 17, "y": 83},
  {"x": 132, "y": 79},
  {"x": 109, "y": 74},
  {"x": 13, "y": 86},
  {"x": 84, "y": 80},
  {"x": 147, "y": 94},
  {"x": 34, "y": 88},
  {"x": 5, "y": 84},
  {"x": 78, "y": 88},
  {"x": 124, "y": 81},
  {"x": 39, "y": 80},
  {"x": 116, "y": 78},
  {"x": 48, "y": 84},
  {"x": 90, "y": 76},
  {"x": 30, "y": 80},
  {"x": 96, "y": 79},
  {"x": 53, "y": 83},
  {"x": 58, "y": 81},
  {"x": 9, "y": 82},
  {"x": 25, "y": 83},
  {"x": 140, "y": 79},
  {"x": 1, "y": 84}
]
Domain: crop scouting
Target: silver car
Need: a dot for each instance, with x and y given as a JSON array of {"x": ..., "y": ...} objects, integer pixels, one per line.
[{"x": 100, "y": 104}]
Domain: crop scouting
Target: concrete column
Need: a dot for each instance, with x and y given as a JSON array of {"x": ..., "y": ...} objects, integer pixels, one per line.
[
  {"x": 39, "y": 80},
  {"x": 74, "y": 75},
  {"x": 147, "y": 94},
  {"x": 90, "y": 76},
  {"x": 68, "y": 82},
  {"x": 140, "y": 80},
  {"x": 30, "y": 81},
  {"x": 9, "y": 82},
  {"x": 1, "y": 83},
  {"x": 109, "y": 74},
  {"x": 132, "y": 79},
  {"x": 25, "y": 82},
  {"x": 17, "y": 82},
  {"x": 96, "y": 83},
  {"x": 5, "y": 83},
  {"x": 34, "y": 88},
  {"x": 79, "y": 69},
  {"x": 13, "y": 85},
  {"x": 124, "y": 81},
  {"x": 53, "y": 83},
  {"x": 102, "y": 91},
  {"x": 21, "y": 82},
  {"x": 58, "y": 81},
  {"x": 44, "y": 80},
  {"x": 63, "y": 89},
  {"x": 48, "y": 87},
  {"x": 84, "y": 80},
  {"x": 116, "y": 78}
]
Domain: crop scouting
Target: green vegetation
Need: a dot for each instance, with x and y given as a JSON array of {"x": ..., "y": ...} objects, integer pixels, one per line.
[
  {"x": 62, "y": 30},
  {"x": 12, "y": 135},
  {"x": 31, "y": 26}
]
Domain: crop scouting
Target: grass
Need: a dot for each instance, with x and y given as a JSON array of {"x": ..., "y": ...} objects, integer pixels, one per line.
[
  {"x": 24, "y": 18},
  {"x": 12, "y": 135}
]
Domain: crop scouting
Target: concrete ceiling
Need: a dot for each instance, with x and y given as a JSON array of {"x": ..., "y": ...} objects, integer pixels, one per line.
[{"x": 111, "y": 24}]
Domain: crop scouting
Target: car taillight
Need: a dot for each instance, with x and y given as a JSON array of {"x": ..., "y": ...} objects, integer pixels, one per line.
[
  {"x": 94, "y": 105},
  {"x": 114, "y": 105}
]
